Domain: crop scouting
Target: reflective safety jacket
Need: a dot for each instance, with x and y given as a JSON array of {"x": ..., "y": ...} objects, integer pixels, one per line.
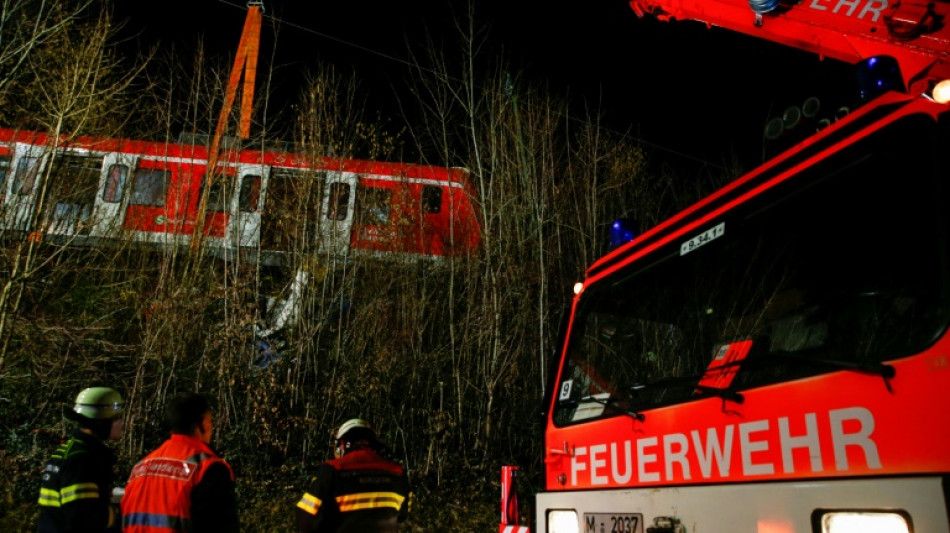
[
  {"x": 359, "y": 492},
  {"x": 159, "y": 494},
  {"x": 76, "y": 486}
]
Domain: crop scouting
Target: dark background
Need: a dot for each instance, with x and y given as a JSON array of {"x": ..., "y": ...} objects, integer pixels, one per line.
[{"x": 681, "y": 88}]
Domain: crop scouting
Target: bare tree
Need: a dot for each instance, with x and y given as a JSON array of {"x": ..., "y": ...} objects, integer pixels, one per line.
[
  {"x": 77, "y": 84},
  {"x": 27, "y": 26}
]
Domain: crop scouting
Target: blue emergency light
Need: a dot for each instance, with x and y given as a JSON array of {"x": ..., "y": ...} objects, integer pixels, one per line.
[
  {"x": 622, "y": 231},
  {"x": 878, "y": 74},
  {"x": 763, "y": 6}
]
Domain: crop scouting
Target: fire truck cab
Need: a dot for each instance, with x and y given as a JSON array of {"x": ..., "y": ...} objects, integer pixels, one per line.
[{"x": 774, "y": 357}]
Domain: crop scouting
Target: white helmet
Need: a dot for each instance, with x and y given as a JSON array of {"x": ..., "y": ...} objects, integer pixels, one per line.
[
  {"x": 354, "y": 434},
  {"x": 352, "y": 423}
]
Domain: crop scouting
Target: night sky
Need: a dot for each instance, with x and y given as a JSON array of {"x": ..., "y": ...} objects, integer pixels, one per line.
[{"x": 682, "y": 88}]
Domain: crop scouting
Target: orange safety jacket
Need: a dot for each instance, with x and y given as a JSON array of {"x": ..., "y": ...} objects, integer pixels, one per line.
[{"x": 158, "y": 494}]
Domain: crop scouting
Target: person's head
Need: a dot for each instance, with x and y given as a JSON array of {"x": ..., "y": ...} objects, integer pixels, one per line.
[
  {"x": 190, "y": 414},
  {"x": 98, "y": 411},
  {"x": 354, "y": 434}
]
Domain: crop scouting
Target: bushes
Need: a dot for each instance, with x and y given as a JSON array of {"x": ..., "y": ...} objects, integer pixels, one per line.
[{"x": 447, "y": 360}]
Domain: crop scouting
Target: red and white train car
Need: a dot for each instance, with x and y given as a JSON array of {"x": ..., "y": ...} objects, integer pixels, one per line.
[{"x": 263, "y": 204}]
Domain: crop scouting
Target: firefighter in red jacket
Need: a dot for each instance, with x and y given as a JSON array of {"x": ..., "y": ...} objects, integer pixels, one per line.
[
  {"x": 357, "y": 492},
  {"x": 76, "y": 485},
  {"x": 183, "y": 486}
]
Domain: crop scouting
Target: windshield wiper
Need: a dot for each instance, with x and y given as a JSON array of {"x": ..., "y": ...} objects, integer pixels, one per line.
[
  {"x": 621, "y": 403},
  {"x": 725, "y": 394},
  {"x": 874, "y": 368},
  {"x": 691, "y": 382},
  {"x": 617, "y": 403}
]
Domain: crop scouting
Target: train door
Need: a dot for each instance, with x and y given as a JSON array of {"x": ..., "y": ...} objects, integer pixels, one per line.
[
  {"x": 289, "y": 218},
  {"x": 151, "y": 206},
  {"x": 112, "y": 197},
  {"x": 6, "y": 170},
  {"x": 245, "y": 228},
  {"x": 217, "y": 200},
  {"x": 28, "y": 161},
  {"x": 71, "y": 194},
  {"x": 336, "y": 222}
]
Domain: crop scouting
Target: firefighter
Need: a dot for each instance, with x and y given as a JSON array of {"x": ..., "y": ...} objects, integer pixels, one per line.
[
  {"x": 183, "y": 485},
  {"x": 358, "y": 491},
  {"x": 76, "y": 484}
]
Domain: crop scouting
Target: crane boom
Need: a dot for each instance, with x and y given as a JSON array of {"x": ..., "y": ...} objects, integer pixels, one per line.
[
  {"x": 911, "y": 31},
  {"x": 245, "y": 62}
]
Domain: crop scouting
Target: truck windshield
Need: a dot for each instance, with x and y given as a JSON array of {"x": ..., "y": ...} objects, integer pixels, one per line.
[{"x": 841, "y": 266}]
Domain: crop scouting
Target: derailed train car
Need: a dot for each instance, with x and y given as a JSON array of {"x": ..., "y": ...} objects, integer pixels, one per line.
[{"x": 265, "y": 205}]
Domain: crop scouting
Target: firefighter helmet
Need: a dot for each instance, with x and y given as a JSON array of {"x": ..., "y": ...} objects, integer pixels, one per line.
[
  {"x": 354, "y": 434},
  {"x": 351, "y": 424},
  {"x": 98, "y": 403}
]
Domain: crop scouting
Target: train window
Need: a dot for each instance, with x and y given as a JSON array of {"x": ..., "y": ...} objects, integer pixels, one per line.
[
  {"x": 115, "y": 184},
  {"x": 74, "y": 181},
  {"x": 250, "y": 194},
  {"x": 4, "y": 170},
  {"x": 292, "y": 200},
  {"x": 339, "y": 201},
  {"x": 27, "y": 169},
  {"x": 431, "y": 199},
  {"x": 217, "y": 193},
  {"x": 373, "y": 205},
  {"x": 150, "y": 186}
]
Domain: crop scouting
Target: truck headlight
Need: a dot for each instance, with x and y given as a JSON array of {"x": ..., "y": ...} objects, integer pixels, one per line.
[
  {"x": 562, "y": 521},
  {"x": 941, "y": 92},
  {"x": 864, "y": 522}
]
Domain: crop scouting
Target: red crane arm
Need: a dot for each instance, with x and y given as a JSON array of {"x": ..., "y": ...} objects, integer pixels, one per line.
[
  {"x": 245, "y": 62},
  {"x": 911, "y": 31}
]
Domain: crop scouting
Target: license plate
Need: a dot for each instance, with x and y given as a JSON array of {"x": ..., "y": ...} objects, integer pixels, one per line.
[{"x": 613, "y": 523}]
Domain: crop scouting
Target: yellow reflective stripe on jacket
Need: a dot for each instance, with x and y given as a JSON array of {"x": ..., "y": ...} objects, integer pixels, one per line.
[
  {"x": 79, "y": 491},
  {"x": 49, "y": 497},
  {"x": 309, "y": 503},
  {"x": 369, "y": 500},
  {"x": 114, "y": 515}
]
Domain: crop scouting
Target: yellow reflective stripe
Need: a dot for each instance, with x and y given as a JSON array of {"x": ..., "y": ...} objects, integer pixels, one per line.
[
  {"x": 49, "y": 497},
  {"x": 309, "y": 503},
  {"x": 79, "y": 491},
  {"x": 369, "y": 500}
]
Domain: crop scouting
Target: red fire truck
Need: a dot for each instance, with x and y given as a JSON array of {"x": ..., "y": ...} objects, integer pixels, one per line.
[
  {"x": 776, "y": 357},
  {"x": 264, "y": 205}
]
